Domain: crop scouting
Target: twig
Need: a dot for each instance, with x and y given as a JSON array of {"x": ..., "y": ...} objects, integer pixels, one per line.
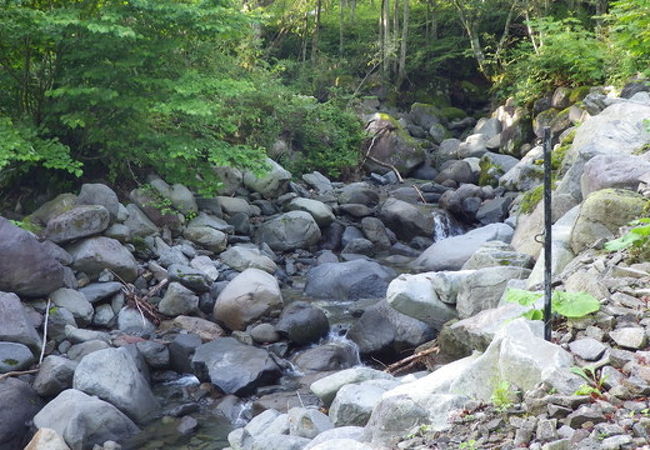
[
  {"x": 410, "y": 361},
  {"x": 47, "y": 318},
  {"x": 390, "y": 166},
  {"x": 18, "y": 373},
  {"x": 417, "y": 189}
]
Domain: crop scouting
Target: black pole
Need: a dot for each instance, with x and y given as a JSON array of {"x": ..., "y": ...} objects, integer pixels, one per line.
[{"x": 548, "y": 238}]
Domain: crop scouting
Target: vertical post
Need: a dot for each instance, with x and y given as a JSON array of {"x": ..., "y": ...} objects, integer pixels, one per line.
[{"x": 548, "y": 238}]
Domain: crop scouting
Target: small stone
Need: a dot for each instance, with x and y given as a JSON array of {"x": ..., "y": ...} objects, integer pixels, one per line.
[
  {"x": 547, "y": 430},
  {"x": 187, "y": 425},
  {"x": 615, "y": 442},
  {"x": 588, "y": 349},
  {"x": 630, "y": 337},
  {"x": 583, "y": 415}
]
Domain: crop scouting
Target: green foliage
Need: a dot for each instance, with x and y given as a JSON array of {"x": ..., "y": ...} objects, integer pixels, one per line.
[
  {"x": 595, "y": 385},
  {"x": 636, "y": 240},
  {"x": 630, "y": 35},
  {"x": 468, "y": 445},
  {"x": 572, "y": 305},
  {"x": 501, "y": 395},
  {"x": 531, "y": 199},
  {"x": 570, "y": 56},
  {"x": 28, "y": 225}
]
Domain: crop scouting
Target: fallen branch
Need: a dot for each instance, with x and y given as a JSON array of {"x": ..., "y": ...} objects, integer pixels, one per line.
[
  {"x": 147, "y": 310},
  {"x": 410, "y": 361},
  {"x": 17, "y": 373}
]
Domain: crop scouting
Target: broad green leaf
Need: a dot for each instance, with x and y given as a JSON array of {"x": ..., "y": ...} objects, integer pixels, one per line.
[
  {"x": 534, "y": 314},
  {"x": 524, "y": 298},
  {"x": 574, "y": 304}
]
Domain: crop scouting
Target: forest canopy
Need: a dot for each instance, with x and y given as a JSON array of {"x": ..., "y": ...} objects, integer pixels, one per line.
[{"x": 112, "y": 89}]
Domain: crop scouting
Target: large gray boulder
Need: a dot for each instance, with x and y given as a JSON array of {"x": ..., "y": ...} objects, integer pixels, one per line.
[
  {"x": 393, "y": 145},
  {"x": 112, "y": 374},
  {"x": 93, "y": 255},
  {"x": 391, "y": 418},
  {"x": 272, "y": 184},
  {"x": 497, "y": 253},
  {"x": 428, "y": 297},
  {"x": 327, "y": 387},
  {"x": 406, "y": 220},
  {"x": 451, "y": 253},
  {"x": 241, "y": 257},
  {"x": 382, "y": 329},
  {"x": 354, "y": 403},
  {"x": 208, "y": 237},
  {"x": 27, "y": 267},
  {"x": 182, "y": 199},
  {"x": 350, "y": 280},
  {"x": 303, "y": 323},
  {"x": 289, "y": 231},
  {"x": 250, "y": 295},
  {"x": 99, "y": 194},
  {"x": 55, "y": 376},
  {"x": 75, "y": 302},
  {"x": 15, "y": 325},
  {"x": 19, "y": 405},
  {"x": 618, "y": 130},
  {"x": 138, "y": 223},
  {"x": 233, "y": 367},
  {"x": 178, "y": 300},
  {"x": 613, "y": 171},
  {"x": 601, "y": 215},
  {"x": 358, "y": 193},
  {"x": 14, "y": 356},
  {"x": 85, "y": 421},
  {"x": 321, "y": 213},
  {"x": 483, "y": 288},
  {"x": 77, "y": 223}
]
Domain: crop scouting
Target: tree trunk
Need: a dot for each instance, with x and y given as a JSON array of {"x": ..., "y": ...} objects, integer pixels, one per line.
[
  {"x": 314, "y": 41},
  {"x": 386, "y": 36},
  {"x": 401, "y": 75}
]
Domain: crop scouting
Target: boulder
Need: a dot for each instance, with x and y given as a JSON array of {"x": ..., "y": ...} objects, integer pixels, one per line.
[
  {"x": 148, "y": 201},
  {"x": 250, "y": 295},
  {"x": 27, "y": 267},
  {"x": 601, "y": 215},
  {"x": 58, "y": 205},
  {"x": 327, "y": 387},
  {"x": 182, "y": 199},
  {"x": 235, "y": 205},
  {"x": 213, "y": 240},
  {"x": 335, "y": 444},
  {"x": 112, "y": 375},
  {"x": 211, "y": 221},
  {"x": 321, "y": 213},
  {"x": 19, "y": 405},
  {"x": 354, "y": 403},
  {"x": 289, "y": 231},
  {"x": 613, "y": 171},
  {"x": 272, "y": 184},
  {"x": 489, "y": 127},
  {"x": 350, "y": 280},
  {"x": 618, "y": 130},
  {"x": 93, "y": 255},
  {"x": 14, "y": 357},
  {"x": 318, "y": 181},
  {"x": 308, "y": 422},
  {"x": 233, "y": 367},
  {"x": 406, "y": 220},
  {"x": 451, "y": 253},
  {"x": 303, "y": 323},
  {"x": 326, "y": 357},
  {"x": 375, "y": 231},
  {"x": 359, "y": 193},
  {"x": 428, "y": 297},
  {"x": 55, "y": 376},
  {"x": 99, "y": 194},
  {"x": 393, "y": 145},
  {"x": 383, "y": 330},
  {"x": 348, "y": 434},
  {"x": 47, "y": 439},
  {"x": 15, "y": 325},
  {"x": 188, "y": 276},
  {"x": 457, "y": 171},
  {"x": 77, "y": 223},
  {"x": 75, "y": 302},
  {"x": 497, "y": 253},
  {"x": 241, "y": 257},
  {"x": 138, "y": 223},
  {"x": 85, "y": 421},
  {"x": 178, "y": 300},
  {"x": 390, "y": 418},
  {"x": 483, "y": 288}
]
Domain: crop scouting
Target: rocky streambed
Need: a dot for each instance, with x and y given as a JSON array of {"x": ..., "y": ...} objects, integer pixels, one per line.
[{"x": 263, "y": 318}]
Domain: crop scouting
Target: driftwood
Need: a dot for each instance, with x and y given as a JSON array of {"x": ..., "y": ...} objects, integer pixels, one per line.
[{"x": 410, "y": 361}]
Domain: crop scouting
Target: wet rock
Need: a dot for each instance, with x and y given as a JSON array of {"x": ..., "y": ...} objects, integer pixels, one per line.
[
  {"x": 383, "y": 330},
  {"x": 250, "y": 295},
  {"x": 94, "y": 255},
  {"x": 303, "y": 323},
  {"x": 233, "y": 367},
  {"x": 327, "y": 357},
  {"x": 27, "y": 267},
  {"x": 289, "y": 231},
  {"x": 113, "y": 375},
  {"x": 77, "y": 223},
  {"x": 181, "y": 352},
  {"x": 84, "y": 421},
  {"x": 349, "y": 280},
  {"x": 406, "y": 220},
  {"x": 19, "y": 405},
  {"x": 451, "y": 253}
]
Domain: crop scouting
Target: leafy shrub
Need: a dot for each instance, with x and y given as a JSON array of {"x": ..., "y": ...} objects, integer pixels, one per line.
[
  {"x": 630, "y": 33},
  {"x": 636, "y": 240},
  {"x": 572, "y": 305}
]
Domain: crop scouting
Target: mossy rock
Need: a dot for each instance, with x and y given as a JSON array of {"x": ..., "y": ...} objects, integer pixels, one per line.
[
  {"x": 531, "y": 199},
  {"x": 603, "y": 213},
  {"x": 452, "y": 113},
  {"x": 578, "y": 94}
]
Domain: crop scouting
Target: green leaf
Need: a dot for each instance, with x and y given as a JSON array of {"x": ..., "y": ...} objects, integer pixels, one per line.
[
  {"x": 524, "y": 298},
  {"x": 574, "y": 304},
  {"x": 534, "y": 314}
]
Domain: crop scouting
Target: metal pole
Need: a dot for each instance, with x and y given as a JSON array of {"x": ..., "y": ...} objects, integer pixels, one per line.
[{"x": 548, "y": 238}]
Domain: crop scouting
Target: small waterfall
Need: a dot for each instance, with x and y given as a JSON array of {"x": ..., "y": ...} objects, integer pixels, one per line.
[
  {"x": 244, "y": 414},
  {"x": 444, "y": 225},
  {"x": 343, "y": 341}
]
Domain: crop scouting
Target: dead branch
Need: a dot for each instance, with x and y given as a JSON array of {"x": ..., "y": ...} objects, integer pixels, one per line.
[
  {"x": 47, "y": 318},
  {"x": 17, "y": 373},
  {"x": 147, "y": 310},
  {"x": 410, "y": 361}
]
